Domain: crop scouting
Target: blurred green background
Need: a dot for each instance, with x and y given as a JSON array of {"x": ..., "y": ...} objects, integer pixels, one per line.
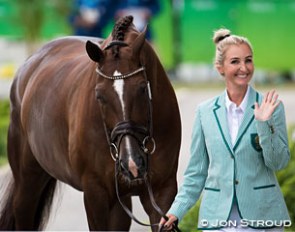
[{"x": 182, "y": 30}]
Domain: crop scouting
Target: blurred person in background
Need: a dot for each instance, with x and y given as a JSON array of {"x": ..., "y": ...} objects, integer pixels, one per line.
[
  {"x": 141, "y": 10},
  {"x": 89, "y": 17}
]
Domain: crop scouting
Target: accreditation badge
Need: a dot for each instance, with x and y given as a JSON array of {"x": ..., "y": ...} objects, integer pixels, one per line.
[{"x": 255, "y": 142}]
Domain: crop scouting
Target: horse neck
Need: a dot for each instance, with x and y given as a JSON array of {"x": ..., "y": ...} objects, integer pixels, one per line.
[{"x": 155, "y": 71}]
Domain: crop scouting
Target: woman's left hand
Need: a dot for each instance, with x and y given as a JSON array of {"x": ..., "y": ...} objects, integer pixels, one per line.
[{"x": 267, "y": 107}]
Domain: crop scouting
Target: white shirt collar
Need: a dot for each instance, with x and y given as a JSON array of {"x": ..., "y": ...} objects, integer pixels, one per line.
[{"x": 229, "y": 104}]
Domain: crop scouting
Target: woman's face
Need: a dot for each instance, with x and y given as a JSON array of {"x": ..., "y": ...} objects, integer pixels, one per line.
[{"x": 238, "y": 66}]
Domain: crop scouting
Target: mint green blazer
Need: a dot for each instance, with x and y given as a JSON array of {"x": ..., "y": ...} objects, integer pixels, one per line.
[{"x": 244, "y": 171}]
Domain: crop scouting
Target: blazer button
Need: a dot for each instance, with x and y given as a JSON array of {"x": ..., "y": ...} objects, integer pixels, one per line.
[
  {"x": 236, "y": 182},
  {"x": 272, "y": 129}
]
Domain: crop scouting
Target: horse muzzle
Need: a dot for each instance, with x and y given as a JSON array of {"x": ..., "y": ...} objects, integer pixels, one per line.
[{"x": 129, "y": 148}]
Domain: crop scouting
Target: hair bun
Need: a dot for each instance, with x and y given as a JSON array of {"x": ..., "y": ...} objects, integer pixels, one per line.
[{"x": 220, "y": 35}]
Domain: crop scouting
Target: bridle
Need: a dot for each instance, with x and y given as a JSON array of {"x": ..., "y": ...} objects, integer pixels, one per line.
[{"x": 128, "y": 127}]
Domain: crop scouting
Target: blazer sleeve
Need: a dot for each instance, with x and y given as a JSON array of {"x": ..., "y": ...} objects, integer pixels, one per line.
[
  {"x": 273, "y": 139},
  {"x": 195, "y": 174}
]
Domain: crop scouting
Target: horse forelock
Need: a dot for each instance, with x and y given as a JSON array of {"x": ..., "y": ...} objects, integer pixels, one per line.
[
  {"x": 119, "y": 32},
  {"x": 125, "y": 31},
  {"x": 121, "y": 27}
]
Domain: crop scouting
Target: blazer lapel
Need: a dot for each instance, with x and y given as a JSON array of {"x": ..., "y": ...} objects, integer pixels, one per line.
[
  {"x": 219, "y": 111},
  {"x": 248, "y": 116}
]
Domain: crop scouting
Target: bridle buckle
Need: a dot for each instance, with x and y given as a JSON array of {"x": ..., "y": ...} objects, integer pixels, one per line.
[
  {"x": 114, "y": 151},
  {"x": 147, "y": 140}
]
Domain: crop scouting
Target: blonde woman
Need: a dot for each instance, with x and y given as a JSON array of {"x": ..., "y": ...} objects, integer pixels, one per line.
[{"x": 239, "y": 140}]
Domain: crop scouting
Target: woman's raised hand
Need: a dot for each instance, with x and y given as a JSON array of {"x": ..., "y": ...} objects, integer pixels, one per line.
[{"x": 267, "y": 106}]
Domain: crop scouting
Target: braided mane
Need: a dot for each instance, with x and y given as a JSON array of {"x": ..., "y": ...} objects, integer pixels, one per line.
[{"x": 119, "y": 30}]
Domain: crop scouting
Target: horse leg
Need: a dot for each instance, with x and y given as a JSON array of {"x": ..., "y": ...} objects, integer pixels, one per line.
[
  {"x": 164, "y": 197},
  {"x": 33, "y": 198},
  {"x": 7, "y": 221},
  {"x": 32, "y": 189},
  {"x": 102, "y": 214},
  {"x": 97, "y": 206},
  {"x": 28, "y": 198},
  {"x": 119, "y": 220}
]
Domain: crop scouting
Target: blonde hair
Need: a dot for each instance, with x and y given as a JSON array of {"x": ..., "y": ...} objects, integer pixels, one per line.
[{"x": 223, "y": 39}]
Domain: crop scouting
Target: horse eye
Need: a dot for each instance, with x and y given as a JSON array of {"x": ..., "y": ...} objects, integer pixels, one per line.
[
  {"x": 142, "y": 87},
  {"x": 100, "y": 97}
]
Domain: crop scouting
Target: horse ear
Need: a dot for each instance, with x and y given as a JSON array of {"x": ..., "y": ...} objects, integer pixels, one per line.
[
  {"x": 94, "y": 51},
  {"x": 139, "y": 41}
]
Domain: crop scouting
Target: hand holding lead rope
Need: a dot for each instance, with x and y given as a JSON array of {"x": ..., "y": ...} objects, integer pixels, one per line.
[{"x": 169, "y": 223}]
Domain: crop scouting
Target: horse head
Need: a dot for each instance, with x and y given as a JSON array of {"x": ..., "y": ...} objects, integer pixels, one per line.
[{"x": 124, "y": 95}]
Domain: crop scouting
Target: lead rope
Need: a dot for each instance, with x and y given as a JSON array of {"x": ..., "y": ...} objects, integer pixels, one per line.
[
  {"x": 126, "y": 209},
  {"x": 158, "y": 209},
  {"x": 152, "y": 199}
]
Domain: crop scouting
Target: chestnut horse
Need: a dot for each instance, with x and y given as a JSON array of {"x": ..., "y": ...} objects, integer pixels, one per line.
[{"x": 78, "y": 109}]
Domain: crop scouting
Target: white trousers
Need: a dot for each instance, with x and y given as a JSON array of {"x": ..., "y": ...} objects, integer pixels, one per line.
[{"x": 235, "y": 216}]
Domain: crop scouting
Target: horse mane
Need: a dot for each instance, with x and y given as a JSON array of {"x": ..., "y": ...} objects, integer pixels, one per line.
[{"x": 119, "y": 31}]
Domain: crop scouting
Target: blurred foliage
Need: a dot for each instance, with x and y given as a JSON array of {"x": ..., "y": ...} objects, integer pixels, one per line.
[
  {"x": 286, "y": 178},
  {"x": 4, "y": 121},
  {"x": 31, "y": 18},
  {"x": 190, "y": 221}
]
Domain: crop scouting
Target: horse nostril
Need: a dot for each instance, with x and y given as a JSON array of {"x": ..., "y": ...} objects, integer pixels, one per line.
[
  {"x": 133, "y": 168},
  {"x": 129, "y": 168}
]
